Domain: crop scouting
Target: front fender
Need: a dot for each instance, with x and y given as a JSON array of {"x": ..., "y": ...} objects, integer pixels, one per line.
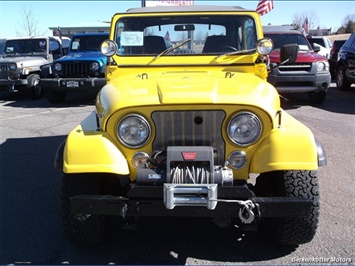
[
  {"x": 89, "y": 150},
  {"x": 292, "y": 146}
]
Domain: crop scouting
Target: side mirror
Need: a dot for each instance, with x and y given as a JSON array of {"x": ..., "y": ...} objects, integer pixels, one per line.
[
  {"x": 316, "y": 47},
  {"x": 288, "y": 53}
]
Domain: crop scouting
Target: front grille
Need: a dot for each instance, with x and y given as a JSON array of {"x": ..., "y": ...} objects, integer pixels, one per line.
[
  {"x": 296, "y": 67},
  {"x": 190, "y": 128},
  {"x": 76, "y": 70},
  {"x": 3, "y": 71}
]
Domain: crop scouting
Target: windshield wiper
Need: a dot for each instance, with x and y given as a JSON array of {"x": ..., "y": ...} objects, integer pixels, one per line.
[
  {"x": 237, "y": 52},
  {"x": 169, "y": 50}
]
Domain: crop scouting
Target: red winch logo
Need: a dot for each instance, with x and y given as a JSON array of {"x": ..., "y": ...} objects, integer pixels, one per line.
[{"x": 189, "y": 155}]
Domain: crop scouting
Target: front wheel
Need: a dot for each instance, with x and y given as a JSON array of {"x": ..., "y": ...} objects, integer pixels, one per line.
[
  {"x": 83, "y": 229},
  {"x": 293, "y": 230},
  {"x": 35, "y": 89}
]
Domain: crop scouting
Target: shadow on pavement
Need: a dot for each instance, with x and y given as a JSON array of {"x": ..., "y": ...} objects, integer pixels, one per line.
[{"x": 336, "y": 101}]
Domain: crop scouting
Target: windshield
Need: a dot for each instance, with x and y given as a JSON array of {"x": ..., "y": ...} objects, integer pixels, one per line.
[
  {"x": 281, "y": 39},
  {"x": 201, "y": 34},
  {"x": 87, "y": 43},
  {"x": 317, "y": 41},
  {"x": 25, "y": 46}
]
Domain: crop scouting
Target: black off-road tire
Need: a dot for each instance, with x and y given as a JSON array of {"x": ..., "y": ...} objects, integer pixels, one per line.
[
  {"x": 342, "y": 83},
  {"x": 295, "y": 230},
  {"x": 35, "y": 90},
  {"x": 82, "y": 229},
  {"x": 54, "y": 96}
]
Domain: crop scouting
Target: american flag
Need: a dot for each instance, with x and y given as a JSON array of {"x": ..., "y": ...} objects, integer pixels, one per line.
[
  {"x": 167, "y": 36},
  {"x": 305, "y": 26},
  {"x": 264, "y": 6}
]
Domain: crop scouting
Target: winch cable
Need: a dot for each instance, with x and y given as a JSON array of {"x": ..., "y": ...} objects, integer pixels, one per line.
[{"x": 195, "y": 175}]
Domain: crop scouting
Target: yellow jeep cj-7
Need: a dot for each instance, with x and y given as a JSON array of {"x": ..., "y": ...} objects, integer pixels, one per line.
[{"x": 188, "y": 126}]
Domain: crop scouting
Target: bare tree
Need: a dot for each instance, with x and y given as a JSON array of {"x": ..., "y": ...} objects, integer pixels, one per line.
[
  {"x": 27, "y": 26},
  {"x": 300, "y": 18},
  {"x": 349, "y": 24}
]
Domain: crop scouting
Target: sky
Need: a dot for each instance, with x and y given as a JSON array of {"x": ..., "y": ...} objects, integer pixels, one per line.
[{"x": 330, "y": 14}]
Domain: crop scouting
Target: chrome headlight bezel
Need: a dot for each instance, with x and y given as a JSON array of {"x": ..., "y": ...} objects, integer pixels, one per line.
[
  {"x": 108, "y": 48},
  {"x": 264, "y": 46},
  {"x": 138, "y": 126},
  {"x": 57, "y": 67},
  {"x": 249, "y": 124}
]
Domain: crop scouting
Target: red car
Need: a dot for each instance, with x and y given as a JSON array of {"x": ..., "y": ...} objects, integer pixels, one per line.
[{"x": 308, "y": 74}]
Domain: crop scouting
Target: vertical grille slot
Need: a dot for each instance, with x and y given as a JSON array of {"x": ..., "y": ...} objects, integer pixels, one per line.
[
  {"x": 189, "y": 128},
  {"x": 3, "y": 71}
]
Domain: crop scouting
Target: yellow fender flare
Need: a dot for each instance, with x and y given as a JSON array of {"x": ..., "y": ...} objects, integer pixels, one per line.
[
  {"x": 292, "y": 146},
  {"x": 89, "y": 150}
]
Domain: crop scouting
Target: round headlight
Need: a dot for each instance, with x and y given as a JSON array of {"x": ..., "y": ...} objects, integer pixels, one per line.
[
  {"x": 12, "y": 67},
  {"x": 58, "y": 67},
  {"x": 133, "y": 131},
  {"x": 109, "y": 48},
  {"x": 264, "y": 46},
  {"x": 95, "y": 66},
  {"x": 244, "y": 129}
]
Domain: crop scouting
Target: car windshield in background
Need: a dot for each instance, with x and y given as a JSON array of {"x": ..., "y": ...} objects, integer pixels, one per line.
[
  {"x": 203, "y": 34},
  {"x": 317, "y": 41},
  {"x": 281, "y": 39},
  {"x": 25, "y": 46},
  {"x": 87, "y": 43}
]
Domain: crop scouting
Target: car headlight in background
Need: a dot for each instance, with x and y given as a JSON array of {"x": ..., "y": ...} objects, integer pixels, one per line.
[
  {"x": 58, "y": 67},
  {"x": 322, "y": 66},
  {"x": 133, "y": 130},
  {"x": 244, "y": 128},
  {"x": 95, "y": 66}
]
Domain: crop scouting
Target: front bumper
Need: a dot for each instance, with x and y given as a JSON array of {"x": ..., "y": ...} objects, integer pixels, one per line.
[
  {"x": 12, "y": 82},
  {"x": 298, "y": 82},
  {"x": 73, "y": 84},
  {"x": 149, "y": 201}
]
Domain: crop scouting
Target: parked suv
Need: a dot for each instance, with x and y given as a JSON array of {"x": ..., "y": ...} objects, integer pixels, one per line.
[
  {"x": 82, "y": 69},
  {"x": 337, "y": 44},
  {"x": 23, "y": 58},
  {"x": 184, "y": 125},
  {"x": 308, "y": 74},
  {"x": 346, "y": 64}
]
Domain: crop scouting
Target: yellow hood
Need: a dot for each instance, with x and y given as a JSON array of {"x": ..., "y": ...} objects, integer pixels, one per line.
[{"x": 185, "y": 88}]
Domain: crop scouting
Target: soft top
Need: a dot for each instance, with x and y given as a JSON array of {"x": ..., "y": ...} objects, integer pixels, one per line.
[{"x": 192, "y": 8}]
